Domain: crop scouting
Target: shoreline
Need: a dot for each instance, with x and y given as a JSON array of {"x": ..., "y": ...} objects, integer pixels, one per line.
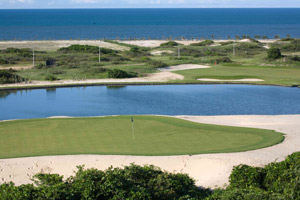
[
  {"x": 209, "y": 170},
  {"x": 33, "y": 87}
]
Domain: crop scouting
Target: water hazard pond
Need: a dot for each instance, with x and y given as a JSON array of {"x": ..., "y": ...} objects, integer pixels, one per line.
[{"x": 160, "y": 100}]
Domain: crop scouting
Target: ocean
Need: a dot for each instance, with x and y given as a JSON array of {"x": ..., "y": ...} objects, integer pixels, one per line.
[{"x": 58, "y": 24}]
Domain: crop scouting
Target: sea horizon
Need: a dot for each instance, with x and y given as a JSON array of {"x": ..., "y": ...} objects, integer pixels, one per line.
[{"x": 147, "y": 23}]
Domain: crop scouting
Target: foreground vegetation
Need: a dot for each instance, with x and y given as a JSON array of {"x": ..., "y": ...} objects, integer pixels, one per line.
[
  {"x": 276, "y": 63},
  {"x": 113, "y": 135},
  {"x": 276, "y": 181}
]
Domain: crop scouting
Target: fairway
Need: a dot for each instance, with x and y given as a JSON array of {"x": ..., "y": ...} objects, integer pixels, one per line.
[{"x": 153, "y": 135}]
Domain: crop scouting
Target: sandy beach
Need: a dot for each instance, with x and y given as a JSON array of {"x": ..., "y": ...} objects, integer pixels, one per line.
[{"x": 209, "y": 170}]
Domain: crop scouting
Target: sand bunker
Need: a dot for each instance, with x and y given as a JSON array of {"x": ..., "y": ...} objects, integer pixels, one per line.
[
  {"x": 232, "y": 80},
  {"x": 161, "y": 52},
  {"x": 182, "y": 67},
  {"x": 209, "y": 170}
]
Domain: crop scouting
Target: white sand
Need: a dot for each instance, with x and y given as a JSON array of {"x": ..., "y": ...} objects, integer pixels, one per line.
[
  {"x": 157, "y": 43},
  {"x": 155, "y": 77},
  {"x": 210, "y": 170},
  {"x": 233, "y": 80},
  {"x": 182, "y": 67},
  {"x": 56, "y": 44},
  {"x": 161, "y": 52},
  {"x": 18, "y": 67}
]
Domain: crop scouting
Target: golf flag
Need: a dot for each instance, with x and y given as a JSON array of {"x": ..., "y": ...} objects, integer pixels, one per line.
[{"x": 132, "y": 127}]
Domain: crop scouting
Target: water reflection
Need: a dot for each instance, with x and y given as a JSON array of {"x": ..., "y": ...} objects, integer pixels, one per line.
[
  {"x": 51, "y": 93},
  {"x": 115, "y": 87}
]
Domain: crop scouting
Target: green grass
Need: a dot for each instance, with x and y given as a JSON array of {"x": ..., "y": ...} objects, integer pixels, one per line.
[
  {"x": 112, "y": 135},
  {"x": 272, "y": 75}
]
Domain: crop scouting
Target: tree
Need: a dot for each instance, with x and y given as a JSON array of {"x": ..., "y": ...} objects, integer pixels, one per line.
[
  {"x": 277, "y": 36},
  {"x": 274, "y": 53}
]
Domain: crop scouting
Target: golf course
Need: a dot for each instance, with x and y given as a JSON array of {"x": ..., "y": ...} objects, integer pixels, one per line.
[{"x": 148, "y": 135}]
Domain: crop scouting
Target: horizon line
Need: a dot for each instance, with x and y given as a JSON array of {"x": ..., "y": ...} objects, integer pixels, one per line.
[{"x": 154, "y": 8}]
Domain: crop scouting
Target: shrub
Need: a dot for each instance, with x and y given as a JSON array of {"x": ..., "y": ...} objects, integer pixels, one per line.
[
  {"x": 50, "y": 78},
  {"x": 278, "y": 180},
  {"x": 117, "y": 73},
  {"x": 156, "y": 64},
  {"x": 3, "y": 62},
  {"x": 76, "y": 48},
  {"x": 203, "y": 43},
  {"x": 295, "y": 58},
  {"x": 274, "y": 53},
  {"x": 287, "y": 39},
  {"x": 224, "y": 60},
  {"x": 294, "y": 45},
  {"x": 226, "y": 43},
  {"x": 132, "y": 182},
  {"x": 134, "y": 49},
  {"x": 170, "y": 44},
  {"x": 244, "y": 177},
  {"x": 20, "y": 52},
  {"x": 8, "y": 76}
]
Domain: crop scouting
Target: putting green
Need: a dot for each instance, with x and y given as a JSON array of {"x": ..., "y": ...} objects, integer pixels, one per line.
[{"x": 113, "y": 135}]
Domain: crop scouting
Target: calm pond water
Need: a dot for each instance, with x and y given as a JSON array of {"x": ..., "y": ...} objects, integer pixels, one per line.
[{"x": 163, "y": 100}]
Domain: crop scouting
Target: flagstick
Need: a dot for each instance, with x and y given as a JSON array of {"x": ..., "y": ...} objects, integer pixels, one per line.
[{"x": 132, "y": 130}]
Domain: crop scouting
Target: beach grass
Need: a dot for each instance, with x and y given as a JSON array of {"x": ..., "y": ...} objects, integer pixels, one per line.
[{"x": 153, "y": 136}]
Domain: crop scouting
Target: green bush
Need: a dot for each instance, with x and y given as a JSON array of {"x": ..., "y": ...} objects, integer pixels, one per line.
[
  {"x": 278, "y": 181},
  {"x": 224, "y": 60},
  {"x": 132, "y": 182},
  {"x": 295, "y": 58},
  {"x": 170, "y": 44},
  {"x": 274, "y": 53},
  {"x": 51, "y": 78},
  {"x": 3, "y": 62},
  {"x": 203, "y": 43},
  {"x": 244, "y": 176},
  {"x": 294, "y": 45},
  {"x": 20, "y": 52},
  {"x": 287, "y": 39},
  {"x": 156, "y": 64},
  {"x": 8, "y": 76},
  {"x": 76, "y": 48},
  {"x": 117, "y": 73}
]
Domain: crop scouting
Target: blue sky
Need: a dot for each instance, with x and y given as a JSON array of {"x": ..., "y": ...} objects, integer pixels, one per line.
[{"x": 8, "y": 4}]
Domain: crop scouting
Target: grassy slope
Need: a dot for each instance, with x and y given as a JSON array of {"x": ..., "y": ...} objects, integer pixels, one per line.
[{"x": 112, "y": 135}]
